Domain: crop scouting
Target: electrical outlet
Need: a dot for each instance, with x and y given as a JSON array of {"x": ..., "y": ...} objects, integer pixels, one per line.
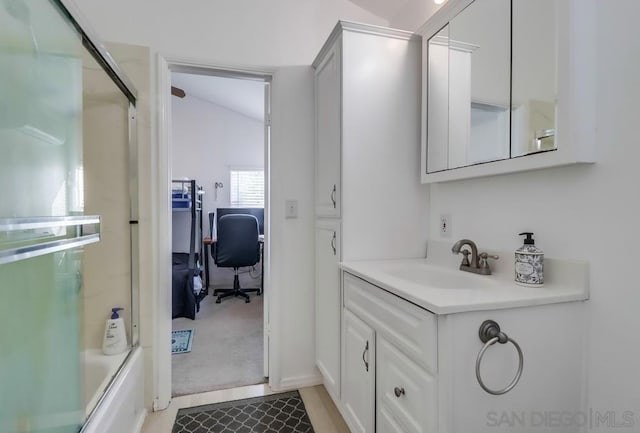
[{"x": 445, "y": 225}]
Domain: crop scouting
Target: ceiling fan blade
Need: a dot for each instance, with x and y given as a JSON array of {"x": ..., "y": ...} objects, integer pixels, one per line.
[{"x": 177, "y": 91}]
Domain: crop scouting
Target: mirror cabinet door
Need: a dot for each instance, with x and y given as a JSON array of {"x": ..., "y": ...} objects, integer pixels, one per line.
[
  {"x": 438, "y": 101},
  {"x": 469, "y": 86},
  {"x": 534, "y": 81}
]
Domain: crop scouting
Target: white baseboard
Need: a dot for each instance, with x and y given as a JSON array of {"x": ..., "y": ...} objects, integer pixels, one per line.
[{"x": 296, "y": 382}]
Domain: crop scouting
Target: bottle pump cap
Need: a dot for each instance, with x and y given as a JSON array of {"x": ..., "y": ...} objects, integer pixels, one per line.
[
  {"x": 114, "y": 312},
  {"x": 529, "y": 240}
]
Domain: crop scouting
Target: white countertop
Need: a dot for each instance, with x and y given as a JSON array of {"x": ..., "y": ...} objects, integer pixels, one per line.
[{"x": 423, "y": 283}]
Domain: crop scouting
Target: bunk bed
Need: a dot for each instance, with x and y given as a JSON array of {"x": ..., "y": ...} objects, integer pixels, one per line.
[{"x": 187, "y": 290}]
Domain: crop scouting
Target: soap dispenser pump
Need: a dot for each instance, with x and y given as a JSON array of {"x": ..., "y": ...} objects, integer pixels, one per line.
[
  {"x": 115, "y": 337},
  {"x": 529, "y": 263}
]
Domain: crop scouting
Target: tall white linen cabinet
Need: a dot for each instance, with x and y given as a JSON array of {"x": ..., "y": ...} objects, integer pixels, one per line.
[{"x": 369, "y": 200}]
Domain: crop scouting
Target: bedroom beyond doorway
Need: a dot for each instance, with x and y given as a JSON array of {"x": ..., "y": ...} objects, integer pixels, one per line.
[{"x": 219, "y": 139}]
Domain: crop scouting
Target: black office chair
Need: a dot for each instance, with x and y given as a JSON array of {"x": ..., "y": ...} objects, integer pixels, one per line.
[
  {"x": 212, "y": 220},
  {"x": 237, "y": 246},
  {"x": 211, "y": 247}
]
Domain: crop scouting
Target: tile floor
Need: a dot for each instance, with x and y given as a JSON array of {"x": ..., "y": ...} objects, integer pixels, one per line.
[{"x": 323, "y": 414}]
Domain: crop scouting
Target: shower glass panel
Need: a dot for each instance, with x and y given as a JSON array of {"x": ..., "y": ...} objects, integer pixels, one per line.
[
  {"x": 67, "y": 170},
  {"x": 40, "y": 186}
]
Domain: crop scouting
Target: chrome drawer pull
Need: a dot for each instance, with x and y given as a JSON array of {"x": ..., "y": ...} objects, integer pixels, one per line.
[
  {"x": 366, "y": 350},
  {"x": 333, "y": 196},
  {"x": 333, "y": 243},
  {"x": 398, "y": 391},
  {"x": 490, "y": 334}
]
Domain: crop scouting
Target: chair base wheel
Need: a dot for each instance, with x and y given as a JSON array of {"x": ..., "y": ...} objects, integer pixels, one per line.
[
  {"x": 218, "y": 300},
  {"x": 246, "y": 301}
]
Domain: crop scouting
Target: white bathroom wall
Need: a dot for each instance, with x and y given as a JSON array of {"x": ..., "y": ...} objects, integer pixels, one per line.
[
  {"x": 208, "y": 140},
  {"x": 584, "y": 212},
  {"x": 292, "y": 240},
  {"x": 413, "y": 14}
]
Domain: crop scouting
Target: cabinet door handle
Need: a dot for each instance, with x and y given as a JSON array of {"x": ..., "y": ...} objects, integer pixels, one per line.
[
  {"x": 333, "y": 244},
  {"x": 333, "y": 196},
  {"x": 366, "y": 353},
  {"x": 398, "y": 391}
]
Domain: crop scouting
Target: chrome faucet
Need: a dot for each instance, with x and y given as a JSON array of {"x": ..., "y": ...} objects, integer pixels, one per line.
[{"x": 479, "y": 262}]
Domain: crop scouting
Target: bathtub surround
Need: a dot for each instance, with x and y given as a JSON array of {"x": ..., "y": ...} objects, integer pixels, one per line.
[
  {"x": 107, "y": 265},
  {"x": 135, "y": 61},
  {"x": 99, "y": 369},
  {"x": 121, "y": 409}
]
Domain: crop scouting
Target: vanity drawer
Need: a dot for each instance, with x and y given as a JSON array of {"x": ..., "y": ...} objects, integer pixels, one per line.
[
  {"x": 404, "y": 390},
  {"x": 411, "y": 328}
]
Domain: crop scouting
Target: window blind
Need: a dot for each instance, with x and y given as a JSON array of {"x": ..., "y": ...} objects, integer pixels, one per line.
[{"x": 247, "y": 188}]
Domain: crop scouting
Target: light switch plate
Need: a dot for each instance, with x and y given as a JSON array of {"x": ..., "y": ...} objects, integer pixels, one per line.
[{"x": 291, "y": 209}]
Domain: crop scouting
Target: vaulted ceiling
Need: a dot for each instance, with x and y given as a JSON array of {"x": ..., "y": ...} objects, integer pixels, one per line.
[{"x": 242, "y": 96}]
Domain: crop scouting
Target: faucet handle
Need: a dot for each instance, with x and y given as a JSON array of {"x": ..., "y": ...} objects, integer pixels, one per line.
[
  {"x": 465, "y": 260},
  {"x": 484, "y": 264}
]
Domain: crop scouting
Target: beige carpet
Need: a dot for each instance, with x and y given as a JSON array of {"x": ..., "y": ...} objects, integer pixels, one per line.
[{"x": 227, "y": 347}]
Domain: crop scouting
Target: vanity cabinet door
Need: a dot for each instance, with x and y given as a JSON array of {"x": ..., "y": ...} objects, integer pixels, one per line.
[
  {"x": 328, "y": 304},
  {"x": 328, "y": 133},
  {"x": 358, "y": 379}
]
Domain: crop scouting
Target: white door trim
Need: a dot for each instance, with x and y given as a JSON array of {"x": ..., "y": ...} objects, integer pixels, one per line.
[{"x": 161, "y": 181}]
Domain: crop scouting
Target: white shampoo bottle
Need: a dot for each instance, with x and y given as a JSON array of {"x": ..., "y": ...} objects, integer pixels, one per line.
[{"x": 115, "y": 336}]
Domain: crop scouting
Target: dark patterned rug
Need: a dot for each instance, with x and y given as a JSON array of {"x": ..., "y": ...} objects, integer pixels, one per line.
[{"x": 276, "y": 413}]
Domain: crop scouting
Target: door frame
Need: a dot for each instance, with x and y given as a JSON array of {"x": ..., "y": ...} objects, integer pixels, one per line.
[{"x": 162, "y": 206}]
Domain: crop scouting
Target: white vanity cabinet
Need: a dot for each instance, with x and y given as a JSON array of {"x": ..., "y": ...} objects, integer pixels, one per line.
[
  {"x": 425, "y": 380},
  {"x": 402, "y": 361},
  {"x": 368, "y": 198}
]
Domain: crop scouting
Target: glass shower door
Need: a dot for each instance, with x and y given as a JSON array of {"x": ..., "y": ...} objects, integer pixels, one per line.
[{"x": 42, "y": 227}]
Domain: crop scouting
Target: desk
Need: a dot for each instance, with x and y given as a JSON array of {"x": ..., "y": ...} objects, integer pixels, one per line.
[{"x": 210, "y": 241}]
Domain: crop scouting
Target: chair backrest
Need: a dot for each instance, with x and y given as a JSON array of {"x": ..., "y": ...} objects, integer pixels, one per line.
[
  {"x": 237, "y": 241},
  {"x": 212, "y": 220},
  {"x": 257, "y": 212}
]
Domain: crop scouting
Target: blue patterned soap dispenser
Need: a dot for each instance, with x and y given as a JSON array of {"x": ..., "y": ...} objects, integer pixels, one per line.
[{"x": 529, "y": 263}]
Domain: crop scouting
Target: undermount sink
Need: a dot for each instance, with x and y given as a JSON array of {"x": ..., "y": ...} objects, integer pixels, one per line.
[{"x": 438, "y": 277}]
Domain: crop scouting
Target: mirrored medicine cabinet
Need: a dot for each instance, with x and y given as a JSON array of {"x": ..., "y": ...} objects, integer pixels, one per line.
[{"x": 499, "y": 87}]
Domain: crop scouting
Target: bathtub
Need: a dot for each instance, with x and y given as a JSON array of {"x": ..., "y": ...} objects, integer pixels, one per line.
[
  {"x": 98, "y": 371},
  {"x": 121, "y": 408}
]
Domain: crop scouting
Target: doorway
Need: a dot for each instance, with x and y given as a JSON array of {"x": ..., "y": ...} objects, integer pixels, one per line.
[{"x": 219, "y": 147}]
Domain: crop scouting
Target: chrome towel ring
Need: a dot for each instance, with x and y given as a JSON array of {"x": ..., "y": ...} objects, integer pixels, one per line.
[{"x": 491, "y": 334}]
